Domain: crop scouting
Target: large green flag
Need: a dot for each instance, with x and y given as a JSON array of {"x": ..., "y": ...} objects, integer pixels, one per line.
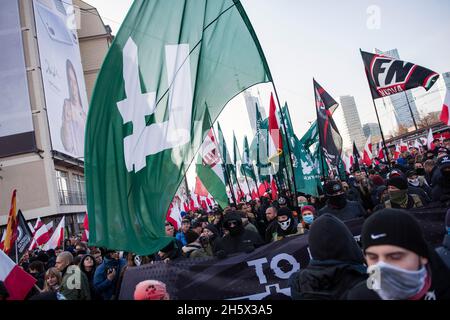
[
  {"x": 247, "y": 165},
  {"x": 308, "y": 163},
  {"x": 229, "y": 166},
  {"x": 170, "y": 62},
  {"x": 210, "y": 171}
]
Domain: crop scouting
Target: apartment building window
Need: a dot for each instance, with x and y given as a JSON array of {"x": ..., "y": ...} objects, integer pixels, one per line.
[
  {"x": 62, "y": 182},
  {"x": 79, "y": 189}
]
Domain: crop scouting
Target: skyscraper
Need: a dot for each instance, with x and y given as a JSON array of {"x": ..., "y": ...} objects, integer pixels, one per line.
[
  {"x": 371, "y": 129},
  {"x": 352, "y": 123},
  {"x": 400, "y": 100}
]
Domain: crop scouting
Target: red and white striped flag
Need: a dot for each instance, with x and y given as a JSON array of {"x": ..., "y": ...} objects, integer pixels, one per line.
[
  {"x": 445, "y": 113},
  {"x": 275, "y": 142},
  {"x": 367, "y": 156},
  {"x": 18, "y": 283},
  {"x": 430, "y": 138},
  {"x": 57, "y": 237},
  {"x": 403, "y": 146},
  {"x": 40, "y": 236},
  {"x": 380, "y": 150}
]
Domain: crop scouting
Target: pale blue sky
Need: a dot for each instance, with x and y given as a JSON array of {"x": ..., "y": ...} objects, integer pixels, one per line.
[{"x": 321, "y": 39}]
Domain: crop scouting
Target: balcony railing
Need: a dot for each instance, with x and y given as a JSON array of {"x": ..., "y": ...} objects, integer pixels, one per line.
[{"x": 70, "y": 197}]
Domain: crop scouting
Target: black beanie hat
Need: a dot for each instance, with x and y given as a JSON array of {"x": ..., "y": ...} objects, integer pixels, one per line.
[
  {"x": 399, "y": 182},
  {"x": 333, "y": 187},
  {"x": 191, "y": 236},
  {"x": 394, "y": 227},
  {"x": 284, "y": 212}
]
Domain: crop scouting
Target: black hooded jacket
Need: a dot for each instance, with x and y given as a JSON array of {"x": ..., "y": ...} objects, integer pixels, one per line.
[
  {"x": 337, "y": 263},
  {"x": 240, "y": 240}
]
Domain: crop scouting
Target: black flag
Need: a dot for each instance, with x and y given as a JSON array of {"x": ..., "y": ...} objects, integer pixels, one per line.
[
  {"x": 388, "y": 76},
  {"x": 23, "y": 238},
  {"x": 355, "y": 157},
  {"x": 329, "y": 136}
]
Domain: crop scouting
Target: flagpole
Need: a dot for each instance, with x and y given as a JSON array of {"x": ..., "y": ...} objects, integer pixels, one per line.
[
  {"x": 378, "y": 118},
  {"x": 224, "y": 166},
  {"x": 245, "y": 174},
  {"x": 288, "y": 145},
  {"x": 410, "y": 110},
  {"x": 17, "y": 253}
]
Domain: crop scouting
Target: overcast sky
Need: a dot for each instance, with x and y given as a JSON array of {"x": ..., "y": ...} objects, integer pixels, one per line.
[{"x": 321, "y": 39}]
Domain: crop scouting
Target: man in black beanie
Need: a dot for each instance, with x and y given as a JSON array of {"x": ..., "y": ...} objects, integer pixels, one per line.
[
  {"x": 401, "y": 265},
  {"x": 398, "y": 195},
  {"x": 338, "y": 205},
  {"x": 441, "y": 187}
]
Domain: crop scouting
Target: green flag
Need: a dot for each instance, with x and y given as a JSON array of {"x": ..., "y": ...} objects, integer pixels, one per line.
[
  {"x": 259, "y": 149},
  {"x": 247, "y": 166},
  {"x": 209, "y": 170},
  {"x": 229, "y": 166},
  {"x": 169, "y": 63}
]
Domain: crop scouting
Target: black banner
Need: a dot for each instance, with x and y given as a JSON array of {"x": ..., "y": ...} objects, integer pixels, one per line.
[
  {"x": 389, "y": 76},
  {"x": 330, "y": 139},
  {"x": 23, "y": 238},
  {"x": 252, "y": 276}
]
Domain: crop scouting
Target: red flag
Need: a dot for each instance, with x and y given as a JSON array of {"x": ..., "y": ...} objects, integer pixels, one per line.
[
  {"x": 254, "y": 194},
  {"x": 57, "y": 237},
  {"x": 40, "y": 237},
  {"x": 10, "y": 234},
  {"x": 274, "y": 189},
  {"x": 380, "y": 151},
  {"x": 200, "y": 188},
  {"x": 275, "y": 141},
  {"x": 444, "y": 116},
  {"x": 85, "y": 236},
  {"x": 18, "y": 283},
  {"x": 367, "y": 156},
  {"x": 403, "y": 146}
]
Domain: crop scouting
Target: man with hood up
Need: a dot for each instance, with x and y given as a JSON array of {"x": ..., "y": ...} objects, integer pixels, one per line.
[
  {"x": 336, "y": 265},
  {"x": 441, "y": 189},
  {"x": 338, "y": 205},
  {"x": 238, "y": 238}
]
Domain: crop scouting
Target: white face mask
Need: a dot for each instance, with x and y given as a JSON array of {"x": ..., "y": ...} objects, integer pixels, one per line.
[
  {"x": 394, "y": 283},
  {"x": 285, "y": 224},
  {"x": 414, "y": 182}
]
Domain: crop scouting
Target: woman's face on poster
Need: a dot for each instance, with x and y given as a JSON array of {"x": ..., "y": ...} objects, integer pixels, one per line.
[{"x": 73, "y": 84}]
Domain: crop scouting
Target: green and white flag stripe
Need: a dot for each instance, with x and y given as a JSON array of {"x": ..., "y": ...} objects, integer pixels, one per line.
[{"x": 171, "y": 63}]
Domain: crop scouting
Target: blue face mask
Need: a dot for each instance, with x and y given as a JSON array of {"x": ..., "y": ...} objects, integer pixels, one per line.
[{"x": 308, "y": 219}]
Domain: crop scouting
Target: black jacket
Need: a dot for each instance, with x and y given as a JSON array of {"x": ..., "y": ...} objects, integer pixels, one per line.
[
  {"x": 337, "y": 263},
  {"x": 244, "y": 241},
  {"x": 352, "y": 210},
  {"x": 444, "y": 251}
]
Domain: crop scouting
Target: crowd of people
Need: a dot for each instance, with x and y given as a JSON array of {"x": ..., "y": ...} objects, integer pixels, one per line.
[{"x": 392, "y": 260}]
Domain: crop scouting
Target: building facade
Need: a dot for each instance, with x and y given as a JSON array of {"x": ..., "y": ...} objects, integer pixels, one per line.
[{"x": 49, "y": 182}]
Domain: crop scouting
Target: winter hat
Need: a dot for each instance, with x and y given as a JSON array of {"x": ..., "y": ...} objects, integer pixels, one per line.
[
  {"x": 444, "y": 162},
  {"x": 150, "y": 290},
  {"x": 213, "y": 229},
  {"x": 284, "y": 212},
  {"x": 309, "y": 208},
  {"x": 282, "y": 201},
  {"x": 191, "y": 236},
  {"x": 394, "y": 227},
  {"x": 232, "y": 216},
  {"x": 399, "y": 182},
  {"x": 330, "y": 239},
  {"x": 377, "y": 180},
  {"x": 333, "y": 187}
]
